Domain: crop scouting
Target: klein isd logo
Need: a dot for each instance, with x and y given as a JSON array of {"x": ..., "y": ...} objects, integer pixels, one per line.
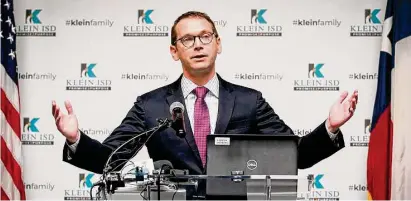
[
  {"x": 144, "y": 17},
  {"x": 259, "y": 26},
  {"x": 372, "y": 24},
  {"x": 85, "y": 181},
  {"x": 34, "y": 26},
  {"x": 363, "y": 139},
  {"x": 146, "y": 25},
  {"x": 82, "y": 190},
  {"x": 87, "y": 70},
  {"x": 316, "y": 181},
  {"x": 31, "y": 134},
  {"x": 316, "y": 80},
  {"x": 314, "y": 71},
  {"x": 89, "y": 80},
  {"x": 371, "y": 16},
  {"x": 317, "y": 190},
  {"x": 32, "y": 16},
  {"x": 257, "y": 16}
]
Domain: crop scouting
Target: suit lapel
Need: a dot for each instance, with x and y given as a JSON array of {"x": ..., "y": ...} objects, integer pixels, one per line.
[
  {"x": 175, "y": 94},
  {"x": 225, "y": 106}
]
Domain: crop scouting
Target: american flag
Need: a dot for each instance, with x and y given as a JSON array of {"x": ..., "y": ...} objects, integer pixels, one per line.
[{"x": 12, "y": 186}]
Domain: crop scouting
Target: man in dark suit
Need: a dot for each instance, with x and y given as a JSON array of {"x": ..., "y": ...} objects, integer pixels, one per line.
[{"x": 212, "y": 104}]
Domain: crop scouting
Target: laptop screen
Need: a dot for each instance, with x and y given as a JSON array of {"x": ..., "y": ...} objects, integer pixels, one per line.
[{"x": 252, "y": 154}]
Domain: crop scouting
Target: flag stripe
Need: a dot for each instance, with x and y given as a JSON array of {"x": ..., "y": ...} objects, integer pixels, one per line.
[
  {"x": 12, "y": 141},
  {"x": 9, "y": 71},
  {"x": 401, "y": 115},
  {"x": 12, "y": 167},
  {"x": 12, "y": 116},
  {"x": 4, "y": 195},
  {"x": 383, "y": 96},
  {"x": 380, "y": 157},
  {"x": 10, "y": 89},
  {"x": 7, "y": 184}
]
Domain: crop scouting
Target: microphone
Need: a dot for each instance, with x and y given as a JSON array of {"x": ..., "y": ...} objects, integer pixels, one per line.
[{"x": 177, "y": 115}]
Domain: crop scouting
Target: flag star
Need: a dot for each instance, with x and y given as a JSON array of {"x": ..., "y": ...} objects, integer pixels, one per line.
[
  {"x": 9, "y": 21},
  {"x": 0, "y": 18},
  {"x": 13, "y": 29},
  {"x": 12, "y": 55},
  {"x": 1, "y": 34},
  {"x": 10, "y": 38},
  {"x": 7, "y": 5}
]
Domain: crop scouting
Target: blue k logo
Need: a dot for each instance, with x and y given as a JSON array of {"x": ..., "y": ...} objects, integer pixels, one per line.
[
  {"x": 32, "y": 16},
  {"x": 30, "y": 125},
  {"x": 87, "y": 70},
  {"x": 317, "y": 183},
  {"x": 85, "y": 180},
  {"x": 144, "y": 17},
  {"x": 257, "y": 16},
  {"x": 315, "y": 71},
  {"x": 371, "y": 16}
]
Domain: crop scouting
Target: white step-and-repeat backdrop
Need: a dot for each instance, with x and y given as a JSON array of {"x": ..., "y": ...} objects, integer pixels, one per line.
[{"x": 126, "y": 57}]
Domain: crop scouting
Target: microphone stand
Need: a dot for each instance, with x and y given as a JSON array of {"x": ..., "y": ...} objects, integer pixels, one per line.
[
  {"x": 158, "y": 185},
  {"x": 163, "y": 124}
]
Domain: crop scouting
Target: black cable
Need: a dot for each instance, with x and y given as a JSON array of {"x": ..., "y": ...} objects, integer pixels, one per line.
[
  {"x": 159, "y": 174},
  {"x": 132, "y": 163},
  {"x": 100, "y": 183},
  {"x": 125, "y": 160},
  {"x": 104, "y": 191},
  {"x": 135, "y": 152},
  {"x": 158, "y": 182},
  {"x": 153, "y": 130},
  {"x": 175, "y": 192},
  {"x": 141, "y": 193},
  {"x": 91, "y": 192},
  {"x": 120, "y": 159},
  {"x": 174, "y": 174}
]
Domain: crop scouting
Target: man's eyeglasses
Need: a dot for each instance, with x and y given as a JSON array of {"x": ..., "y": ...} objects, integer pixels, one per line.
[{"x": 188, "y": 41}]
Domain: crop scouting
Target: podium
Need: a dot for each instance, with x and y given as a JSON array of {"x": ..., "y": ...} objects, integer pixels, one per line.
[
  {"x": 259, "y": 187},
  {"x": 239, "y": 167}
]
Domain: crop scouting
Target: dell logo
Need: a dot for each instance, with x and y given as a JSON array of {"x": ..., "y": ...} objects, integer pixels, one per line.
[{"x": 251, "y": 164}]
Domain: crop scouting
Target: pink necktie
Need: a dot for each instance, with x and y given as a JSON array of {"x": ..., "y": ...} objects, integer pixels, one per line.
[{"x": 201, "y": 122}]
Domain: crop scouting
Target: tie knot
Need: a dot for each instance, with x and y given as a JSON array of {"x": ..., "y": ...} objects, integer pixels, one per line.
[{"x": 200, "y": 92}]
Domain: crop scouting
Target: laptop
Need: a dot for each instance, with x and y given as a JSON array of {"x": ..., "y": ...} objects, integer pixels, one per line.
[{"x": 250, "y": 154}]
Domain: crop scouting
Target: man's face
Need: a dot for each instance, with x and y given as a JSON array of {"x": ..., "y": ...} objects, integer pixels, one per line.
[{"x": 196, "y": 56}]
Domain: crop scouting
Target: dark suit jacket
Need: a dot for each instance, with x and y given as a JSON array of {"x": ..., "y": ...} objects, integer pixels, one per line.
[{"x": 240, "y": 110}]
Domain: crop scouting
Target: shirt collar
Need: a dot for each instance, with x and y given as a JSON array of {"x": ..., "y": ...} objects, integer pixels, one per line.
[{"x": 188, "y": 86}]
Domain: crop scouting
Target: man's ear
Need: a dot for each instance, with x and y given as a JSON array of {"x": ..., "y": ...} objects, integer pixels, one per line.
[
  {"x": 173, "y": 52},
  {"x": 219, "y": 46}
]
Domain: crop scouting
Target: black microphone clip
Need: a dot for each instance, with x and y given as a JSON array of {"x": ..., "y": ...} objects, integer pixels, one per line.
[{"x": 177, "y": 115}]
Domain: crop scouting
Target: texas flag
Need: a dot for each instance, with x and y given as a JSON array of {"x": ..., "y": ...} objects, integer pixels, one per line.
[{"x": 389, "y": 152}]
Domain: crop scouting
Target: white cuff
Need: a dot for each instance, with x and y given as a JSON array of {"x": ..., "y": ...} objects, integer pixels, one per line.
[
  {"x": 332, "y": 135},
  {"x": 73, "y": 146}
]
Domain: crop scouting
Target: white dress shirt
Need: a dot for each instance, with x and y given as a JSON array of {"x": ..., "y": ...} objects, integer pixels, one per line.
[{"x": 211, "y": 99}]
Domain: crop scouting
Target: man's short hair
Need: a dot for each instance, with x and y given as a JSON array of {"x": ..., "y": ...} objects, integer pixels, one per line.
[{"x": 188, "y": 15}]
